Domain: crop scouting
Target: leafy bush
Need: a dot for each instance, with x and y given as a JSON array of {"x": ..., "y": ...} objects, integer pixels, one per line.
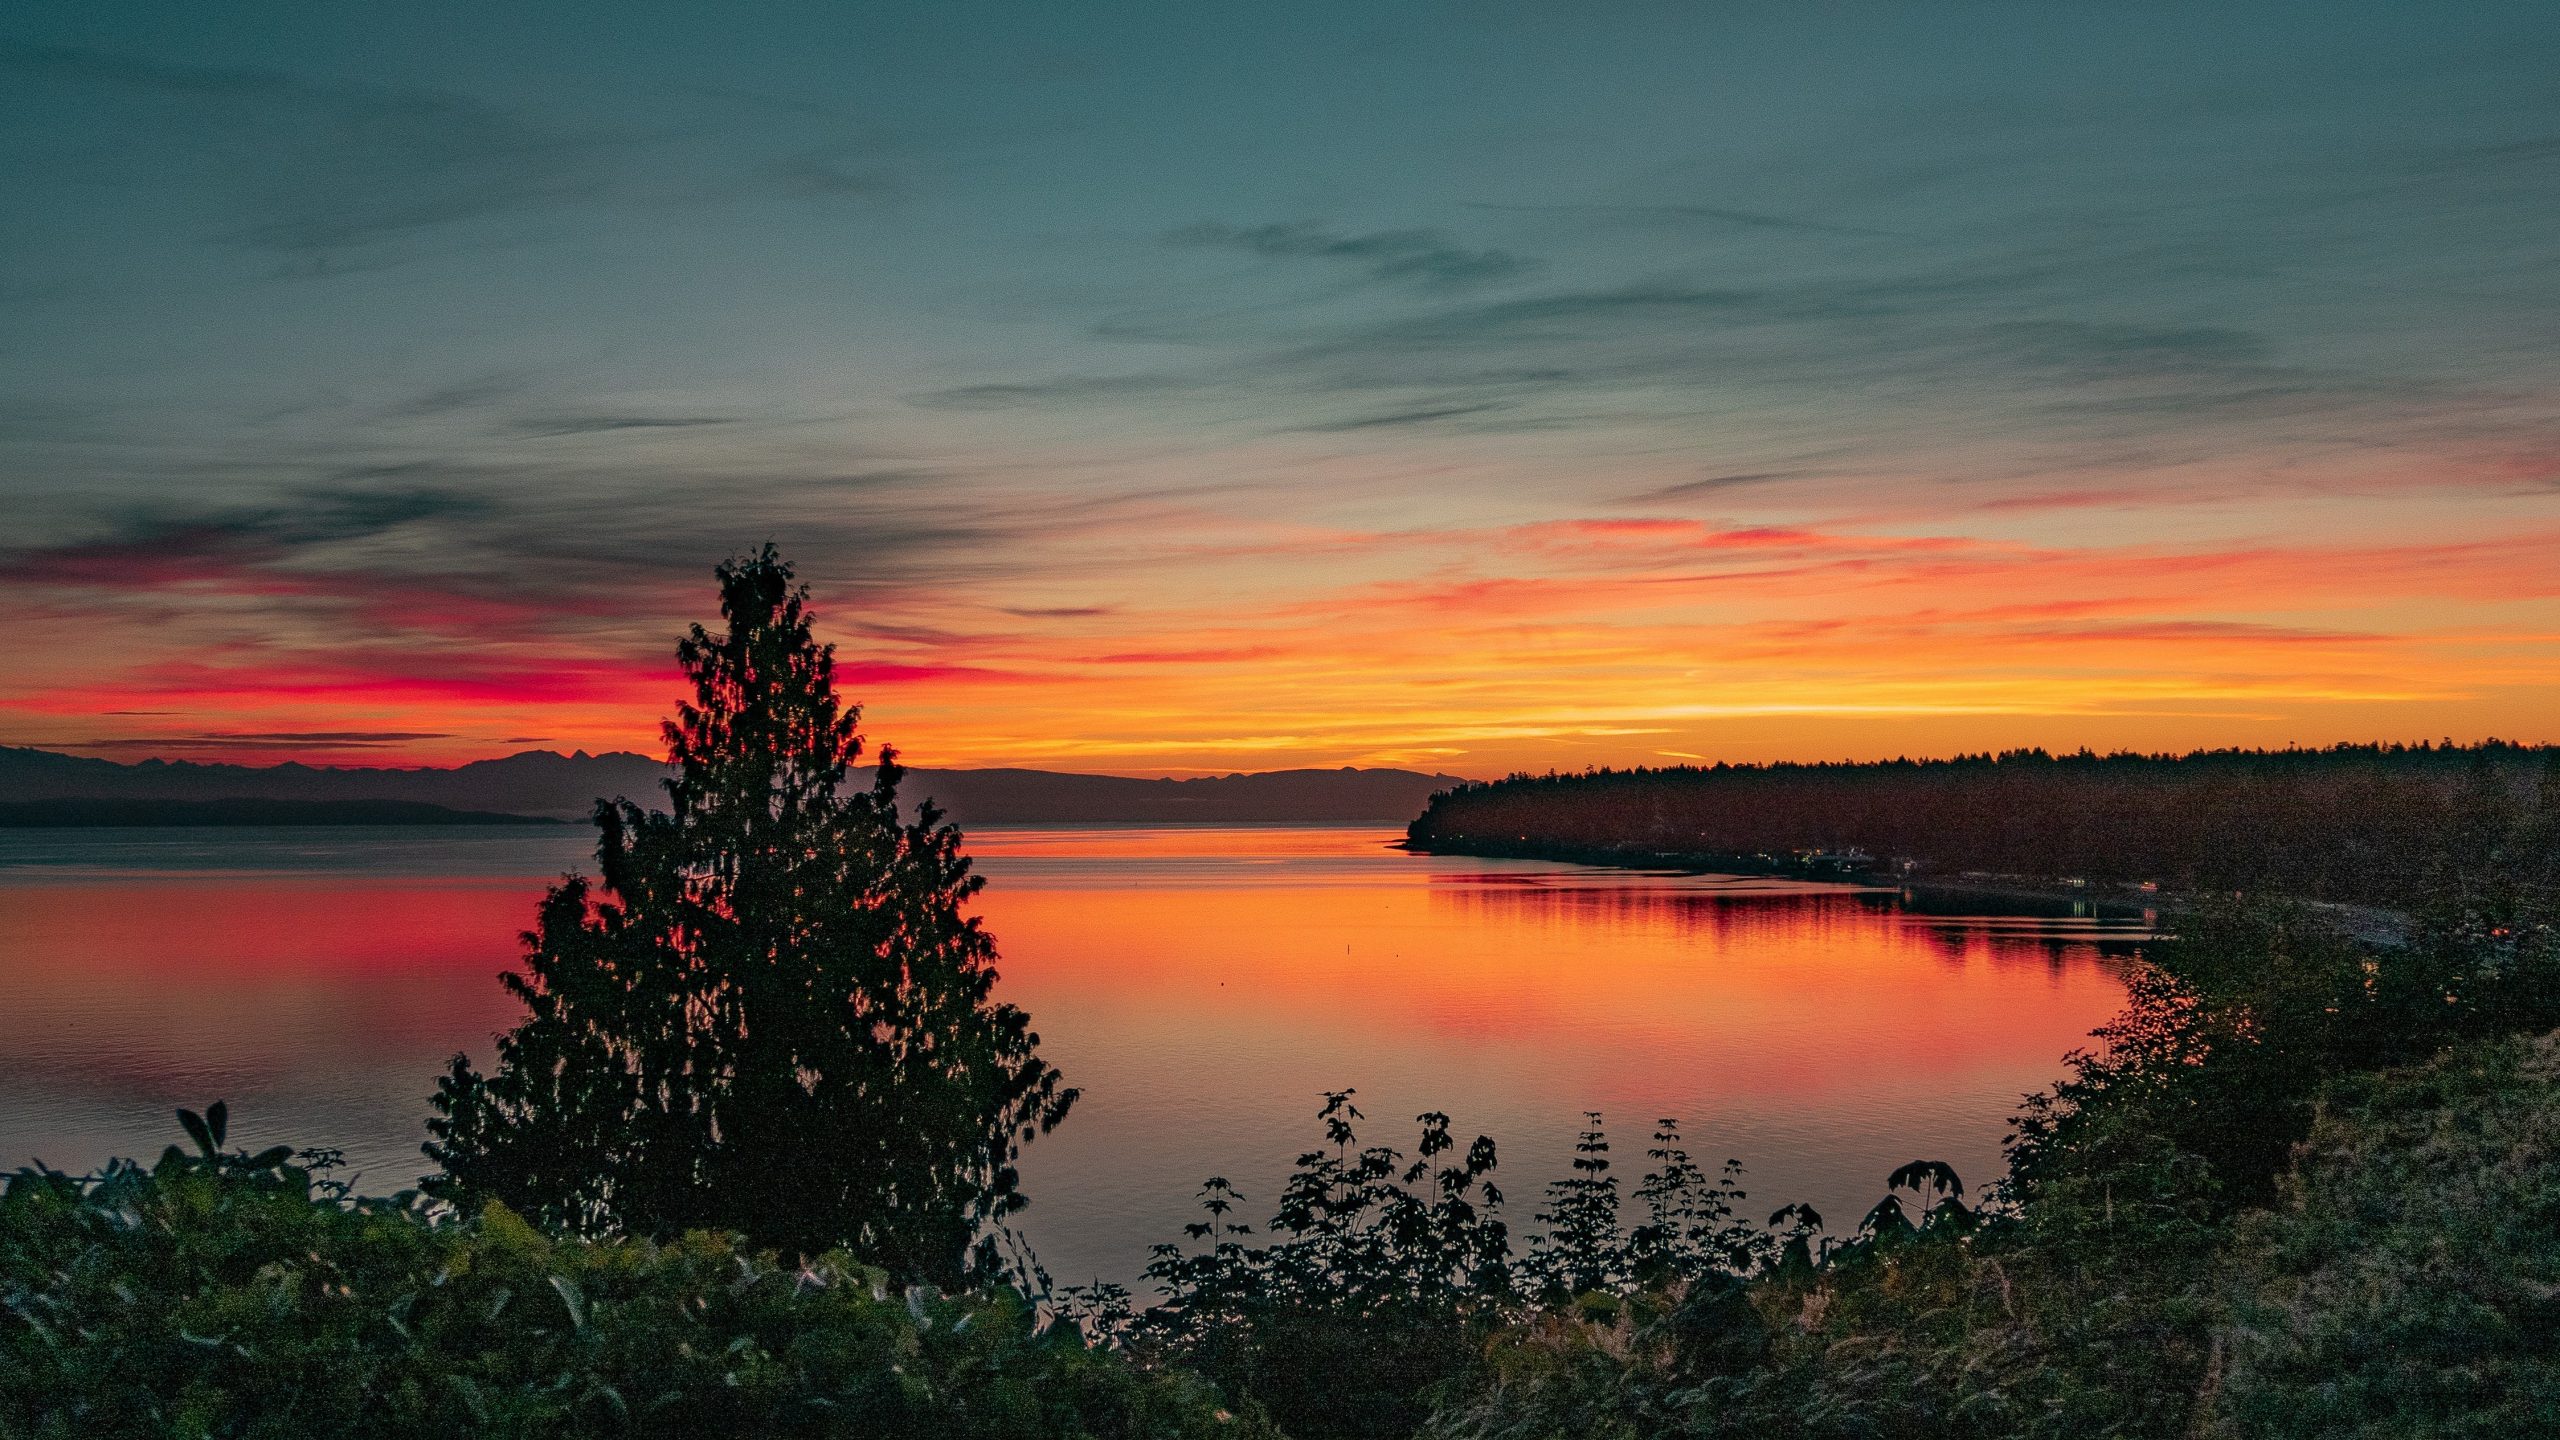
[
  {"x": 1370, "y": 1299},
  {"x": 1386, "y": 1284},
  {"x": 2406, "y": 1291},
  {"x": 2409, "y": 1281},
  {"x": 1957, "y": 1325},
  {"x": 2208, "y": 1079},
  {"x": 222, "y": 1294}
]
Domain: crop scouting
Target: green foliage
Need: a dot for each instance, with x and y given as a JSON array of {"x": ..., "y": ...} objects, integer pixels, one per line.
[
  {"x": 2208, "y": 1079},
  {"x": 774, "y": 1017},
  {"x": 220, "y": 1294},
  {"x": 1690, "y": 1228},
  {"x": 1579, "y": 1252},
  {"x": 2408, "y": 1281},
  {"x": 1686, "y": 1228},
  {"x": 1386, "y": 1284},
  {"x": 1368, "y": 1301},
  {"x": 2404, "y": 1287}
]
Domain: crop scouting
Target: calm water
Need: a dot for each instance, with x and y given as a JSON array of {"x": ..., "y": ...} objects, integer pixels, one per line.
[{"x": 1200, "y": 985}]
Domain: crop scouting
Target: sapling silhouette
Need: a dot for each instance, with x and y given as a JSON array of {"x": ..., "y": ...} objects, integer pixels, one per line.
[
  {"x": 1798, "y": 1253},
  {"x": 1888, "y": 1224},
  {"x": 1941, "y": 1193},
  {"x": 211, "y": 1130},
  {"x": 1581, "y": 1249},
  {"x": 1689, "y": 1227},
  {"x": 772, "y": 1015}
]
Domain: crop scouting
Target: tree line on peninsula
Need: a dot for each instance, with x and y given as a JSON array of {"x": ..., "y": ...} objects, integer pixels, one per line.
[{"x": 2377, "y": 824}]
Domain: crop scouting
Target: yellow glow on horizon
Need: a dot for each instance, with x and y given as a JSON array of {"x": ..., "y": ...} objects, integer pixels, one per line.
[{"x": 1560, "y": 642}]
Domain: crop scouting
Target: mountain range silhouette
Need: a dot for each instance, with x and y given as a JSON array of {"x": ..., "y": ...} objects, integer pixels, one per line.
[{"x": 550, "y": 785}]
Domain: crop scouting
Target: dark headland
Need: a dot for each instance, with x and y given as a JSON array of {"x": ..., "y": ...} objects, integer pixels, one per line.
[{"x": 2348, "y": 825}]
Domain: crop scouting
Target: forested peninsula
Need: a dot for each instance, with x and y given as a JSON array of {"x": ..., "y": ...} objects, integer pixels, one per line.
[{"x": 2355, "y": 824}]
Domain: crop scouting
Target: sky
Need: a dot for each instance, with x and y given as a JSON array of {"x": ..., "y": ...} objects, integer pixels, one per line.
[{"x": 1176, "y": 389}]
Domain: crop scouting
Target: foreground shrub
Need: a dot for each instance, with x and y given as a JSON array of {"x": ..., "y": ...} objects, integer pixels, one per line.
[
  {"x": 221, "y": 1294},
  {"x": 2409, "y": 1281},
  {"x": 1371, "y": 1295},
  {"x": 2125, "y": 1281},
  {"x": 1385, "y": 1287},
  {"x": 1947, "y": 1331}
]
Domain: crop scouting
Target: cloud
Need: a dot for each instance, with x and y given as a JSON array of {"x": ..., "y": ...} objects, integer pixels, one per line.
[
  {"x": 1568, "y": 316},
  {"x": 1394, "y": 418},
  {"x": 27, "y": 418},
  {"x": 464, "y": 395},
  {"x": 1211, "y": 655},
  {"x": 264, "y": 740},
  {"x": 1748, "y": 219},
  {"x": 160, "y": 544},
  {"x": 861, "y": 673},
  {"x": 2173, "y": 631},
  {"x": 331, "y": 176},
  {"x": 2089, "y": 349},
  {"x": 2054, "y": 307},
  {"x": 1646, "y": 363},
  {"x": 348, "y": 737},
  {"x": 448, "y": 680},
  {"x": 336, "y": 178},
  {"x": 1061, "y": 389},
  {"x": 605, "y": 424},
  {"x": 1428, "y": 258},
  {"x": 95, "y": 66},
  {"x": 316, "y": 573},
  {"x": 821, "y": 177},
  {"x": 1707, "y": 485}
]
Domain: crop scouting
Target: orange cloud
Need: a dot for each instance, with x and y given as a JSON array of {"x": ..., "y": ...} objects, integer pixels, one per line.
[{"x": 1520, "y": 642}]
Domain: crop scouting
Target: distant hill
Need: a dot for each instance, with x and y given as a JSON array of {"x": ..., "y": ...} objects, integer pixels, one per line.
[
  {"x": 547, "y": 783},
  {"x": 536, "y": 782},
  {"x": 91, "y": 814}
]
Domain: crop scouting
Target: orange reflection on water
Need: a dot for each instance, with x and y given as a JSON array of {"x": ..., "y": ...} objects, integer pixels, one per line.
[
  {"x": 320, "y": 1007},
  {"x": 1822, "y": 1036},
  {"x": 1200, "y": 985},
  {"x": 1748, "y": 994}
]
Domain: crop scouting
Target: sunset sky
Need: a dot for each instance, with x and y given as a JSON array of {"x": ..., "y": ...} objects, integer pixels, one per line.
[{"x": 1195, "y": 388}]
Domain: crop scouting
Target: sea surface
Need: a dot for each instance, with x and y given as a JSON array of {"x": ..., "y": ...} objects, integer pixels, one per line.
[{"x": 1201, "y": 985}]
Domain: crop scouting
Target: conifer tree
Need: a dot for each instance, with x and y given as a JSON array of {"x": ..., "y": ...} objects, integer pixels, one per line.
[{"x": 772, "y": 1016}]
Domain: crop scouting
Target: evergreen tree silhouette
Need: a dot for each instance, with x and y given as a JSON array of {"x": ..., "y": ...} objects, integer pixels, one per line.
[{"x": 774, "y": 1018}]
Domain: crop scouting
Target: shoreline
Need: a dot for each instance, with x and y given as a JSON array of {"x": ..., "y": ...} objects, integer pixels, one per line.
[{"x": 2367, "y": 923}]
